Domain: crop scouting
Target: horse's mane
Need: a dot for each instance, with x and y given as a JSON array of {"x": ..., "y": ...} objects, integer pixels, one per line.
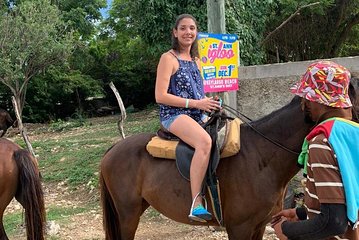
[
  {"x": 273, "y": 116},
  {"x": 353, "y": 97}
]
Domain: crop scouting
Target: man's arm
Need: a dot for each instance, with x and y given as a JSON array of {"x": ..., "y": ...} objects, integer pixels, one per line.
[{"x": 331, "y": 222}]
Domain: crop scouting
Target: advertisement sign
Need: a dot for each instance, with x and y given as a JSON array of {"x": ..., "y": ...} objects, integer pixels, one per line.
[{"x": 219, "y": 58}]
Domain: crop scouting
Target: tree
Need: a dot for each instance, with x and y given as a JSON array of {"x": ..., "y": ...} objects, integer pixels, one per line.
[
  {"x": 32, "y": 38},
  {"x": 53, "y": 94},
  {"x": 153, "y": 20},
  {"x": 315, "y": 32},
  {"x": 247, "y": 19},
  {"x": 351, "y": 46},
  {"x": 81, "y": 16}
]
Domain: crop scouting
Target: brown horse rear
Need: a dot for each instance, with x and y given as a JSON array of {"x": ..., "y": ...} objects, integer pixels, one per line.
[{"x": 19, "y": 177}]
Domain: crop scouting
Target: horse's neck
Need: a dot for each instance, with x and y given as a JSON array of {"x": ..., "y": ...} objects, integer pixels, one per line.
[{"x": 286, "y": 127}]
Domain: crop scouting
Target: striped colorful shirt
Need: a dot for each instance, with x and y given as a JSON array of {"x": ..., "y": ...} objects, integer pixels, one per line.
[{"x": 324, "y": 181}]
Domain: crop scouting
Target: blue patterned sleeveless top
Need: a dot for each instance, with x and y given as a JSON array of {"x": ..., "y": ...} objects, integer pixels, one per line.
[{"x": 186, "y": 82}]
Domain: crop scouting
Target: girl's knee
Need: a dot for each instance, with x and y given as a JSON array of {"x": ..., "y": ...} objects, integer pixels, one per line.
[{"x": 205, "y": 145}]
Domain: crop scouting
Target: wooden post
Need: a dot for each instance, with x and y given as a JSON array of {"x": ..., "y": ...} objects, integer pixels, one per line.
[
  {"x": 123, "y": 110},
  {"x": 22, "y": 128},
  {"x": 217, "y": 24}
]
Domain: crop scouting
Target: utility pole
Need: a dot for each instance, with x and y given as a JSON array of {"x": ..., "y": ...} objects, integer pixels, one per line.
[
  {"x": 217, "y": 24},
  {"x": 216, "y": 16}
]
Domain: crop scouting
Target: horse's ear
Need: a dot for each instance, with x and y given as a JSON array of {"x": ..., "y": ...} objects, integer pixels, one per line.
[
  {"x": 354, "y": 96},
  {"x": 9, "y": 119},
  {"x": 353, "y": 88}
]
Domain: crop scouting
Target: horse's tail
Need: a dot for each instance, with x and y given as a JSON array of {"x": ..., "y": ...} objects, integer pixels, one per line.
[
  {"x": 29, "y": 194},
  {"x": 111, "y": 222}
]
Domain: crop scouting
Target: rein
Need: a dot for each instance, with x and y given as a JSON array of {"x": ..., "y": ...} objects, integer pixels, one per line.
[{"x": 242, "y": 116}]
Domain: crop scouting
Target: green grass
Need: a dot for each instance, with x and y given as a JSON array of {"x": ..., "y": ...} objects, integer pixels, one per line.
[
  {"x": 72, "y": 151},
  {"x": 74, "y": 154},
  {"x": 61, "y": 214},
  {"x": 13, "y": 222}
]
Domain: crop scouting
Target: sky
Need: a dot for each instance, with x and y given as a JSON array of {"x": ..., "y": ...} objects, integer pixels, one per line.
[{"x": 104, "y": 11}]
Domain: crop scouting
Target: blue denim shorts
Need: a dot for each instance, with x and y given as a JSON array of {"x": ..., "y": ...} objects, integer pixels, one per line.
[{"x": 167, "y": 123}]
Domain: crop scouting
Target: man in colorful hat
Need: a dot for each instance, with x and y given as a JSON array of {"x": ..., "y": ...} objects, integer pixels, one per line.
[{"x": 330, "y": 159}]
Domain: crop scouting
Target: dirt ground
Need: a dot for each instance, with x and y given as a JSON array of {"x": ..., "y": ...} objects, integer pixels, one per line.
[{"x": 88, "y": 225}]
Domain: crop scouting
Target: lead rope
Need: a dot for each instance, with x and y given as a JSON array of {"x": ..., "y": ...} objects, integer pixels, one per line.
[{"x": 239, "y": 114}]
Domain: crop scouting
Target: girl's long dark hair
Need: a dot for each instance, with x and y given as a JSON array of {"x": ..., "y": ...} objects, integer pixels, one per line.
[{"x": 175, "y": 44}]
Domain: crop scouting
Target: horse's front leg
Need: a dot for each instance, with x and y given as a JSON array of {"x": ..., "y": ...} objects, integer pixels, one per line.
[
  {"x": 242, "y": 231},
  {"x": 2, "y": 230},
  {"x": 258, "y": 234}
]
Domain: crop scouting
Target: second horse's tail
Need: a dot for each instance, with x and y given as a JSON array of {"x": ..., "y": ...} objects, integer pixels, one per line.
[{"x": 30, "y": 195}]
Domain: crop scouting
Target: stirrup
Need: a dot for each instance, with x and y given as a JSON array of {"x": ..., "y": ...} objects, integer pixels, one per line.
[{"x": 200, "y": 213}]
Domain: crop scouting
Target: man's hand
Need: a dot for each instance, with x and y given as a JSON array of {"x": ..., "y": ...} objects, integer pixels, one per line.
[
  {"x": 277, "y": 226},
  {"x": 279, "y": 218},
  {"x": 289, "y": 214}
]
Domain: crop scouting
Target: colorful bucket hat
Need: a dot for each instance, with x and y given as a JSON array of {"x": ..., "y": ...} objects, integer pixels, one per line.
[{"x": 325, "y": 82}]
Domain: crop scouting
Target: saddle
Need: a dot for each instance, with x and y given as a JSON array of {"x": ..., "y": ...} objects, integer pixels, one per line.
[
  {"x": 165, "y": 143},
  {"x": 224, "y": 134}
]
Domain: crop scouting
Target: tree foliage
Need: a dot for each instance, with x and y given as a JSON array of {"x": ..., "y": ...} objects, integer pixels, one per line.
[
  {"x": 61, "y": 90},
  {"x": 153, "y": 20},
  {"x": 319, "y": 31},
  {"x": 351, "y": 46},
  {"x": 247, "y": 19},
  {"x": 31, "y": 40},
  {"x": 81, "y": 16}
]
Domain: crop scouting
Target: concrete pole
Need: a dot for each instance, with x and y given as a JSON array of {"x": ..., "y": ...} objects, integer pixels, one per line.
[
  {"x": 217, "y": 24},
  {"x": 216, "y": 16}
]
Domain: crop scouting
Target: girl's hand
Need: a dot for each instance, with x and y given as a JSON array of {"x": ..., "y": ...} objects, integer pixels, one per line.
[{"x": 208, "y": 104}]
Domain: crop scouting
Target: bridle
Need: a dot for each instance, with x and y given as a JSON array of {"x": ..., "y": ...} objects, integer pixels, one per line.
[{"x": 247, "y": 121}]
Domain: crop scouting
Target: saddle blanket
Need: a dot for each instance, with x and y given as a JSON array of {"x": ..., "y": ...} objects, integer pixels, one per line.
[{"x": 161, "y": 148}]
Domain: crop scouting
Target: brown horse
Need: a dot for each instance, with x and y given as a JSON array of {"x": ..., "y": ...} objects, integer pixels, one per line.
[
  {"x": 20, "y": 178},
  {"x": 252, "y": 182}
]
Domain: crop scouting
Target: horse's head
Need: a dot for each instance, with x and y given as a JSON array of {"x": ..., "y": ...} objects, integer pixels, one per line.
[
  {"x": 354, "y": 97},
  {"x": 5, "y": 121}
]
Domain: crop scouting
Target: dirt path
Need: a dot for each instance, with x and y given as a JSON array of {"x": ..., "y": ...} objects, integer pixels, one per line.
[{"x": 88, "y": 225}]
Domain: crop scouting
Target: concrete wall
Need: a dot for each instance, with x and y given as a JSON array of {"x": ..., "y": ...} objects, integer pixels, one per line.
[{"x": 265, "y": 88}]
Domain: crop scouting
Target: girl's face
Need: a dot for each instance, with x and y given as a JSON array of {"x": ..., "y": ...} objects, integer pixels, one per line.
[{"x": 186, "y": 32}]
